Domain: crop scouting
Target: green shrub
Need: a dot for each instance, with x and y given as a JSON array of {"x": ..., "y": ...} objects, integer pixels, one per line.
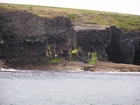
[
  {"x": 88, "y": 54},
  {"x": 73, "y": 16},
  {"x": 74, "y": 51},
  {"x": 55, "y": 60},
  {"x": 94, "y": 58}
]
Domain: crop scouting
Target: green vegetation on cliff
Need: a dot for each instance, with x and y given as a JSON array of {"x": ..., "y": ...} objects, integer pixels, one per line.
[
  {"x": 54, "y": 60},
  {"x": 94, "y": 58},
  {"x": 123, "y": 21}
]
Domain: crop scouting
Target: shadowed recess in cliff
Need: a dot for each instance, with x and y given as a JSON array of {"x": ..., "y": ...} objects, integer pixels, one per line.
[
  {"x": 113, "y": 52},
  {"x": 136, "y": 59},
  {"x": 93, "y": 38}
]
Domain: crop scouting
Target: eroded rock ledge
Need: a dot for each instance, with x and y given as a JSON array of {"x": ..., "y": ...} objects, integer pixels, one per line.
[{"x": 25, "y": 37}]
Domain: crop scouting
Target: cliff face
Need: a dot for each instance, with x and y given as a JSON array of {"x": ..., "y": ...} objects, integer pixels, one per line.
[
  {"x": 94, "y": 39},
  {"x": 25, "y": 36},
  {"x": 110, "y": 43},
  {"x": 124, "y": 47}
]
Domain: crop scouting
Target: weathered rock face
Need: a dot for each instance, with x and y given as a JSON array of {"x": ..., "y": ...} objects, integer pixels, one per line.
[
  {"x": 61, "y": 37},
  {"x": 113, "y": 50},
  {"x": 93, "y": 39},
  {"x": 124, "y": 47},
  {"x": 26, "y": 36},
  {"x": 111, "y": 44}
]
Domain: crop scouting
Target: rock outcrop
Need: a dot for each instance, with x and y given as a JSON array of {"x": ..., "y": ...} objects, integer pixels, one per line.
[
  {"x": 93, "y": 38},
  {"x": 110, "y": 43},
  {"x": 124, "y": 47},
  {"x": 25, "y": 36}
]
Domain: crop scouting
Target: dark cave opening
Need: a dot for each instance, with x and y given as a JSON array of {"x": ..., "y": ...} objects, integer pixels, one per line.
[
  {"x": 3, "y": 52},
  {"x": 113, "y": 52},
  {"x": 136, "y": 59}
]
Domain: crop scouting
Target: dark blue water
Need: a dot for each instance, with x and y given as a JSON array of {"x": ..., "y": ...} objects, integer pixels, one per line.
[{"x": 69, "y": 88}]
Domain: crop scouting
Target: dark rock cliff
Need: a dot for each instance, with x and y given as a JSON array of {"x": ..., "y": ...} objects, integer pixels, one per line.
[
  {"x": 25, "y": 36},
  {"x": 93, "y": 39},
  {"x": 110, "y": 43},
  {"x": 124, "y": 47}
]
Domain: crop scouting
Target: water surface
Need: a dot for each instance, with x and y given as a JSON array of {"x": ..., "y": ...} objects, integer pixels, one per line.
[{"x": 69, "y": 88}]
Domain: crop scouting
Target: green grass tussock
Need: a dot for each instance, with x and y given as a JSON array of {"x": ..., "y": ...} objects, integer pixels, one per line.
[
  {"x": 73, "y": 16},
  {"x": 55, "y": 60}
]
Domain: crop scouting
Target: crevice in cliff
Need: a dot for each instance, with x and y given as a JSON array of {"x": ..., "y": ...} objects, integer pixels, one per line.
[
  {"x": 136, "y": 59},
  {"x": 74, "y": 42},
  {"x": 113, "y": 51}
]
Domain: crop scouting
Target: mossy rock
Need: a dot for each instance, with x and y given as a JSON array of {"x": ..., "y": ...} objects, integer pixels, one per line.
[{"x": 89, "y": 68}]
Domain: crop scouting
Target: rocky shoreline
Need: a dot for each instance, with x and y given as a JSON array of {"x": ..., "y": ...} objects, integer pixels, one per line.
[{"x": 72, "y": 65}]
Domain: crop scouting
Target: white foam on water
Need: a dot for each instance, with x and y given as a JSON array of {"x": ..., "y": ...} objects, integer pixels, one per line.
[{"x": 3, "y": 69}]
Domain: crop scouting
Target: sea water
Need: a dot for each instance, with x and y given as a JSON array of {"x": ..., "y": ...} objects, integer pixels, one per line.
[{"x": 69, "y": 88}]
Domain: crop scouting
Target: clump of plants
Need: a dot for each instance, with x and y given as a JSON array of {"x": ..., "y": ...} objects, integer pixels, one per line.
[
  {"x": 93, "y": 57},
  {"x": 73, "y": 16},
  {"x": 52, "y": 58},
  {"x": 55, "y": 60},
  {"x": 74, "y": 51},
  {"x": 74, "y": 54}
]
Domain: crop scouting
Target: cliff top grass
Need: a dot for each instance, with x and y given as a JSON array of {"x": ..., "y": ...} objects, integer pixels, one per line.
[{"x": 123, "y": 21}]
